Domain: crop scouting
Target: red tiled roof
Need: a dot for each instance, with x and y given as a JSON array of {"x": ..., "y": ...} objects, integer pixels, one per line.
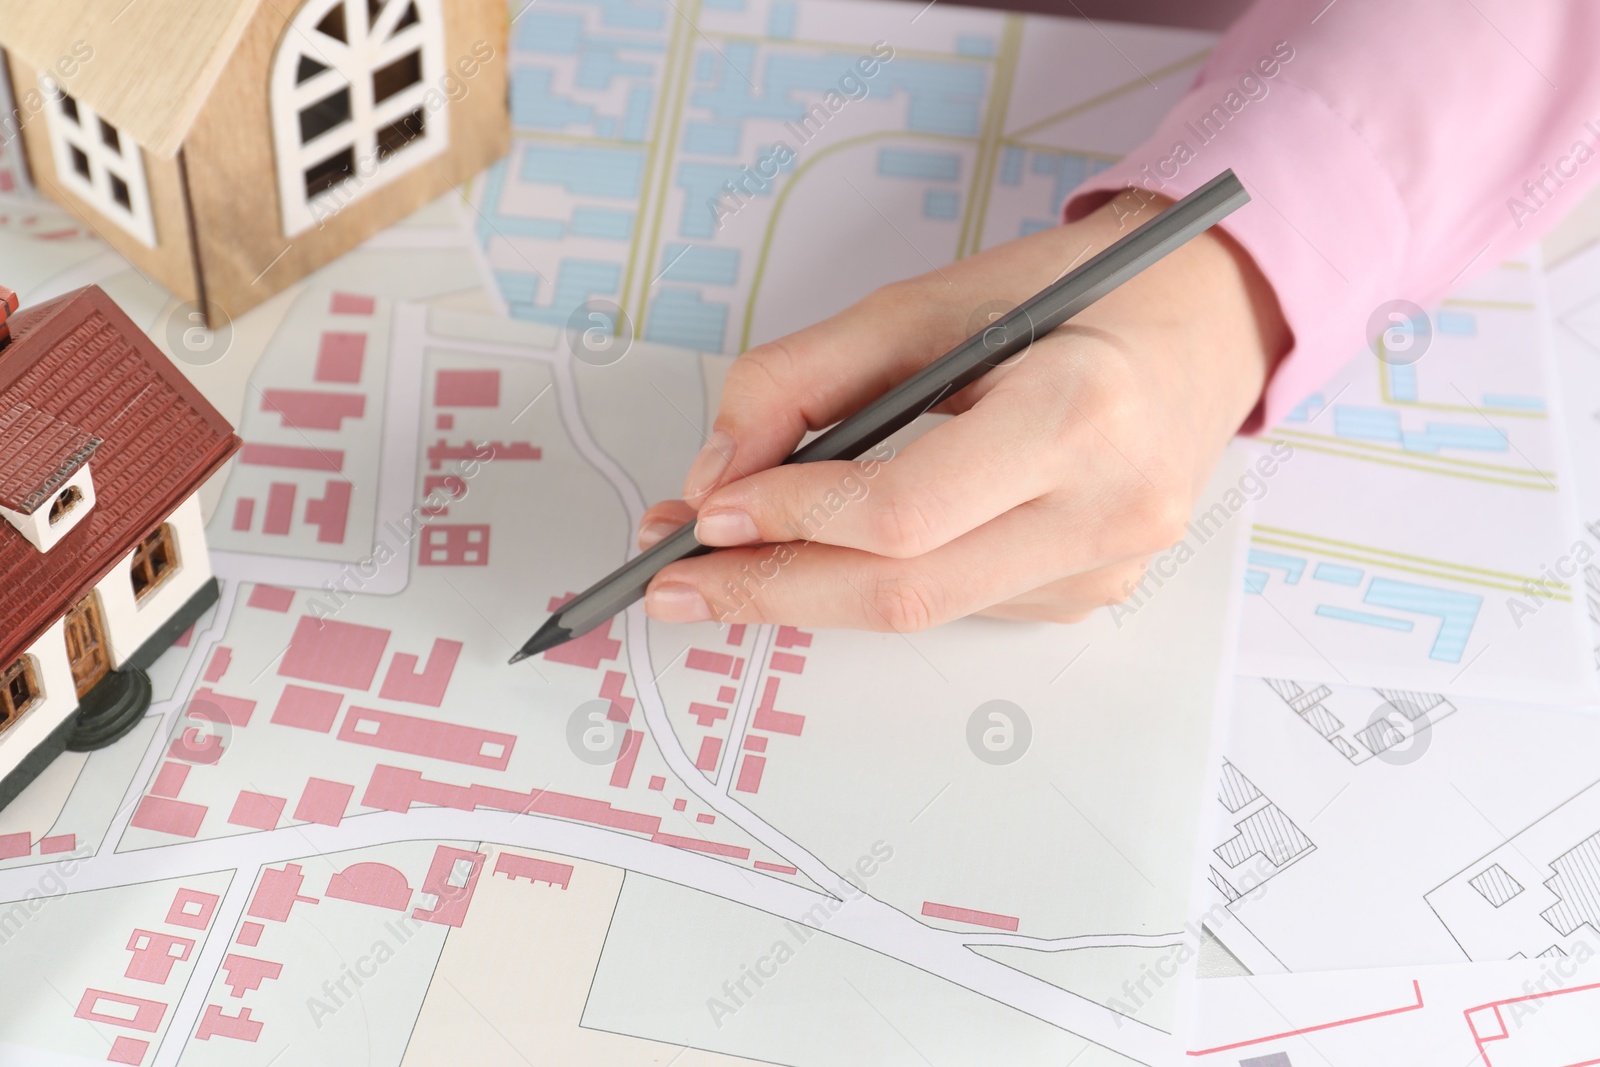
[
  {"x": 40, "y": 452},
  {"x": 82, "y": 362}
]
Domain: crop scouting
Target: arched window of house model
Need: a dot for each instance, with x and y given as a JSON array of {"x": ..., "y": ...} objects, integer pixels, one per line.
[
  {"x": 19, "y": 688},
  {"x": 356, "y": 102},
  {"x": 153, "y": 560},
  {"x": 94, "y": 160},
  {"x": 65, "y": 501}
]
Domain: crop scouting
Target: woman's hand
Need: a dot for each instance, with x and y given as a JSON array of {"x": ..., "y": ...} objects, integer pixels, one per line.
[{"x": 1061, "y": 473}]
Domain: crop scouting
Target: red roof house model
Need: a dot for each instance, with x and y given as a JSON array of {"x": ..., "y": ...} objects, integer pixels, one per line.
[{"x": 104, "y": 445}]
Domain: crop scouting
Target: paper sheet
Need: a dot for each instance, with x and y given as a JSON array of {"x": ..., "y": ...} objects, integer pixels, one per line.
[
  {"x": 1526, "y": 1013},
  {"x": 1418, "y": 540}
]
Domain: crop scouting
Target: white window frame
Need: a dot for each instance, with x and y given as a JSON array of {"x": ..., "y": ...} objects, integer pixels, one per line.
[
  {"x": 125, "y": 162},
  {"x": 350, "y": 67}
]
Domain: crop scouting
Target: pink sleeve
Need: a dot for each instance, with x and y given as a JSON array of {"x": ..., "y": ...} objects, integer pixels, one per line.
[{"x": 1392, "y": 150}]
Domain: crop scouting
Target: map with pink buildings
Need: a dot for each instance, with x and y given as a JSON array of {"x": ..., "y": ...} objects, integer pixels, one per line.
[{"x": 348, "y": 831}]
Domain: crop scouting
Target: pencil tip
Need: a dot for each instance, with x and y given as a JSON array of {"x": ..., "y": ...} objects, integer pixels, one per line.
[{"x": 548, "y": 636}]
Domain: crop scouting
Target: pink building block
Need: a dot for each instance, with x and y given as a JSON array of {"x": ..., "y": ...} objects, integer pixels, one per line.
[
  {"x": 680, "y": 804},
  {"x": 755, "y": 743},
  {"x": 787, "y": 662},
  {"x": 323, "y": 802},
  {"x": 710, "y": 749},
  {"x": 270, "y": 598},
  {"x": 244, "y": 513},
  {"x": 185, "y": 637},
  {"x": 438, "y": 490},
  {"x": 155, "y": 954},
  {"x": 280, "y": 508},
  {"x": 290, "y": 457},
  {"x": 339, "y": 357},
  {"x": 175, "y": 817},
  {"x": 214, "y": 1022},
  {"x": 192, "y": 909},
  {"x": 736, "y": 634},
  {"x": 127, "y": 1049},
  {"x": 331, "y": 652},
  {"x": 60, "y": 843},
  {"x": 776, "y": 868},
  {"x": 694, "y": 844},
  {"x": 621, "y": 709},
  {"x": 590, "y": 649},
  {"x": 256, "y": 810},
  {"x": 313, "y": 409},
  {"x": 208, "y": 705},
  {"x": 969, "y": 916},
  {"x": 118, "y": 1009},
  {"x": 219, "y": 663},
  {"x": 706, "y": 715},
  {"x": 789, "y": 637},
  {"x": 700, "y": 659},
  {"x": 427, "y": 737},
  {"x": 454, "y": 545},
  {"x": 451, "y": 879},
  {"x": 738, "y": 668},
  {"x": 466, "y": 388},
  {"x": 375, "y": 884},
  {"x": 250, "y": 934},
  {"x": 657, "y": 782},
  {"x": 307, "y": 709},
  {"x": 330, "y": 512},
  {"x": 727, "y": 694},
  {"x": 404, "y": 682},
  {"x": 622, "y": 770},
  {"x": 750, "y": 774},
  {"x": 244, "y": 974},
  {"x": 394, "y": 789},
  {"x": 707, "y": 819},
  {"x": 15, "y": 846},
  {"x": 278, "y": 892},
  {"x": 533, "y": 869},
  {"x": 445, "y": 422},
  {"x": 196, "y": 745},
  {"x": 351, "y": 304},
  {"x": 776, "y": 722}
]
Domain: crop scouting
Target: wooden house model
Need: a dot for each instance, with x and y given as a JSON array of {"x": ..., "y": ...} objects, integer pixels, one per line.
[
  {"x": 228, "y": 148},
  {"x": 103, "y": 447}
]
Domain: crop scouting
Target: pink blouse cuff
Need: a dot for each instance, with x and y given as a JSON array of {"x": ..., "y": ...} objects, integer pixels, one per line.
[{"x": 1331, "y": 248}]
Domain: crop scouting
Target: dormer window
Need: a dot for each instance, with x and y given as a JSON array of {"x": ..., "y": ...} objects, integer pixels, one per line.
[
  {"x": 65, "y": 501},
  {"x": 45, "y": 485}
]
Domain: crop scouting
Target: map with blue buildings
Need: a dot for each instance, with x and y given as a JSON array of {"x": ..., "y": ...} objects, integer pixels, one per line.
[{"x": 852, "y": 143}]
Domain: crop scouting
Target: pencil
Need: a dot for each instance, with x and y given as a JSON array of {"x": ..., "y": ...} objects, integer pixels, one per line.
[{"x": 939, "y": 380}]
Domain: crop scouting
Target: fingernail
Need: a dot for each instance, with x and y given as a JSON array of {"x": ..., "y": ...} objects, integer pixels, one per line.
[
  {"x": 709, "y": 465},
  {"x": 676, "y": 603},
  {"x": 651, "y": 533},
  {"x": 726, "y": 528}
]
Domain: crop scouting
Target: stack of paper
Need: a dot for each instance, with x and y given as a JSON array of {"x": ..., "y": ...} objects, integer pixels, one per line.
[{"x": 351, "y": 833}]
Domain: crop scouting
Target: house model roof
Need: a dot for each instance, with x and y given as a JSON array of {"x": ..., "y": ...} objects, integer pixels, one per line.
[
  {"x": 41, "y": 453},
  {"x": 154, "y": 61},
  {"x": 80, "y": 363}
]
